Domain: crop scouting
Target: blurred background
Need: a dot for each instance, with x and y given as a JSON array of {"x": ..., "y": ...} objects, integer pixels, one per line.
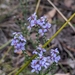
[{"x": 12, "y": 11}]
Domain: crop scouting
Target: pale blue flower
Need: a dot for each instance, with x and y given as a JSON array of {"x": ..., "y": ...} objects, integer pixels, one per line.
[
  {"x": 39, "y": 51},
  {"x": 36, "y": 67},
  {"x": 46, "y": 26},
  {"x": 42, "y": 31},
  {"x": 54, "y": 52},
  {"x": 55, "y": 57},
  {"x": 42, "y": 50},
  {"x": 44, "y": 62},
  {"x": 14, "y": 42},
  {"x": 32, "y": 17},
  {"x": 18, "y": 42},
  {"x": 22, "y": 38},
  {"x": 32, "y": 20},
  {"x": 41, "y": 21}
]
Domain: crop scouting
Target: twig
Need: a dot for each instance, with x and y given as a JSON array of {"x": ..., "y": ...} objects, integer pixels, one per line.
[
  {"x": 58, "y": 31},
  {"x": 5, "y": 44},
  {"x": 13, "y": 71},
  {"x": 25, "y": 65},
  {"x": 62, "y": 67},
  {"x": 61, "y": 14},
  {"x": 69, "y": 53},
  {"x": 37, "y": 6},
  {"x": 5, "y": 54}
]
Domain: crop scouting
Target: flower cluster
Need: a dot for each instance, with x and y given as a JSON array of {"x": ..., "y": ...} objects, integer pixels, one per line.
[
  {"x": 54, "y": 55},
  {"x": 42, "y": 22},
  {"x": 18, "y": 42},
  {"x": 39, "y": 63},
  {"x": 43, "y": 62}
]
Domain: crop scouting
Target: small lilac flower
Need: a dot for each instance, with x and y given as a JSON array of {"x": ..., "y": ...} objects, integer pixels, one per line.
[
  {"x": 16, "y": 34},
  {"x": 32, "y": 17},
  {"x": 54, "y": 52},
  {"x": 32, "y": 20},
  {"x": 41, "y": 21},
  {"x": 18, "y": 42},
  {"x": 54, "y": 55},
  {"x": 36, "y": 67},
  {"x": 42, "y": 31},
  {"x": 32, "y": 23},
  {"x": 14, "y": 42},
  {"x": 46, "y": 26},
  {"x": 44, "y": 62},
  {"x": 20, "y": 46},
  {"x": 22, "y": 38},
  {"x": 35, "y": 52},
  {"x": 57, "y": 59},
  {"x": 39, "y": 51},
  {"x": 49, "y": 59}
]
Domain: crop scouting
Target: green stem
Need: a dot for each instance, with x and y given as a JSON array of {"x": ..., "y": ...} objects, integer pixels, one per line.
[
  {"x": 5, "y": 54},
  {"x": 26, "y": 64},
  {"x": 37, "y": 6},
  {"x": 63, "y": 68},
  {"x": 13, "y": 71},
  {"x": 64, "y": 25},
  {"x": 5, "y": 44}
]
